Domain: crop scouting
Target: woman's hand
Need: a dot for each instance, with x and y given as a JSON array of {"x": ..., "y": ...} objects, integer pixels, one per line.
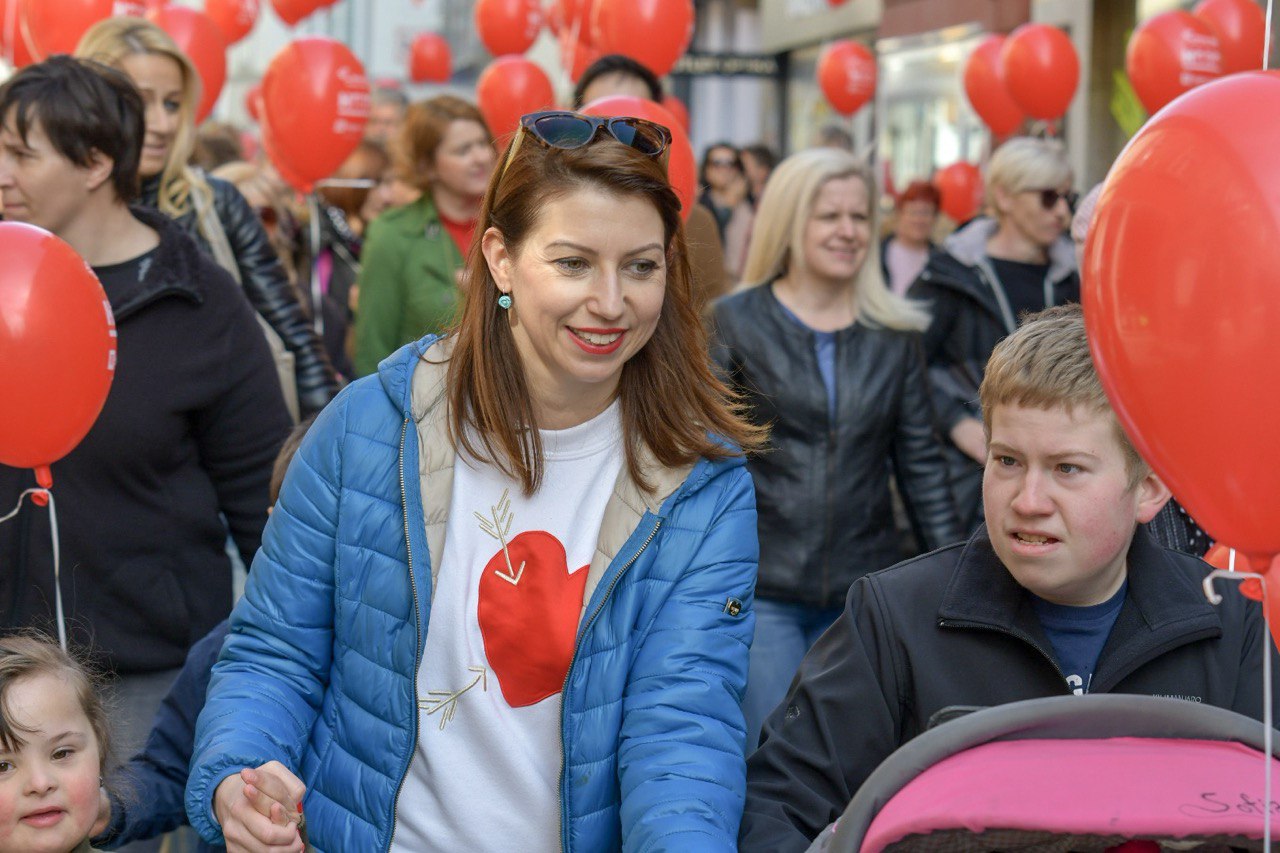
[{"x": 258, "y": 810}]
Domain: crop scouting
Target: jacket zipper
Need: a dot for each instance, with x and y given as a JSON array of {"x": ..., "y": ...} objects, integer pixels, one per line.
[
  {"x": 417, "y": 621},
  {"x": 564, "y": 828},
  {"x": 1018, "y": 635}
]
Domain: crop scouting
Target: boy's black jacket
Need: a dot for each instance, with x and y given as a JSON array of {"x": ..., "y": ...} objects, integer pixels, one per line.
[{"x": 954, "y": 628}]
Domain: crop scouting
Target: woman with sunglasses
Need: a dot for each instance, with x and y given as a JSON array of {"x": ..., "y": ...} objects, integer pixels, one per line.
[
  {"x": 506, "y": 592},
  {"x": 209, "y": 209},
  {"x": 826, "y": 354},
  {"x": 412, "y": 255},
  {"x": 726, "y": 196},
  {"x": 986, "y": 277}
]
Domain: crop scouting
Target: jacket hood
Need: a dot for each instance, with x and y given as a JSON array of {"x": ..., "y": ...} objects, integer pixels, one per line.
[
  {"x": 395, "y": 372},
  {"x": 969, "y": 247}
]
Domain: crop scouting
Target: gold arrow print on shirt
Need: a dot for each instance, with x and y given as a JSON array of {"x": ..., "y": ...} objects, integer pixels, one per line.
[
  {"x": 447, "y": 701},
  {"x": 498, "y": 525}
]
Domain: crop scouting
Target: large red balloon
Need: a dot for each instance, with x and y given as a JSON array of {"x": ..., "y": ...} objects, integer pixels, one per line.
[
  {"x": 430, "y": 60},
  {"x": 204, "y": 43},
  {"x": 682, "y": 170},
  {"x": 960, "y": 186},
  {"x": 57, "y": 345},
  {"x": 508, "y": 88},
  {"x": 847, "y": 75},
  {"x": 985, "y": 88},
  {"x": 234, "y": 17},
  {"x": 1169, "y": 54},
  {"x": 56, "y": 27},
  {"x": 508, "y": 26},
  {"x": 571, "y": 17},
  {"x": 1040, "y": 70},
  {"x": 315, "y": 102},
  {"x": 1241, "y": 28},
  {"x": 655, "y": 33},
  {"x": 1182, "y": 303}
]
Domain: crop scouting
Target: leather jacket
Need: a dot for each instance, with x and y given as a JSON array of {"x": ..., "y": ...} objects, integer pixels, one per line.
[
  {"x": 822, "y": 487},
  {"x": 266, "y": 285}
]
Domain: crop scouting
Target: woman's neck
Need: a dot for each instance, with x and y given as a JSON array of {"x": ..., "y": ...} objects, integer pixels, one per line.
[
  {"x": 824, "y": 306},
  {"x": 455, "y": 207},
  {"x": 1010, "y": 244}
]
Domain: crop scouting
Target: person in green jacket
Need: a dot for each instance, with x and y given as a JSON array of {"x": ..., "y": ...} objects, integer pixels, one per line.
[{"x": 409, "y": 282}]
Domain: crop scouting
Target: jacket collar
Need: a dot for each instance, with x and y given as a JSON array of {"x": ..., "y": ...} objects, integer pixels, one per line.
[
  {"x": 175, "y": 270},
  {"x": 1163, "y": 608},
  {"x": 969, "y": 247}
]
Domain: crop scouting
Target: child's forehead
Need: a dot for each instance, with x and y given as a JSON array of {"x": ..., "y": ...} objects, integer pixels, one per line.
[
  {"x": 1055, "y": 425},
  {"x": 44, "y": 704}
]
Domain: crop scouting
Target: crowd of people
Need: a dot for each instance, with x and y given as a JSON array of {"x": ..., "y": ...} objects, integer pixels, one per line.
[{"x": 593, "y": 523}]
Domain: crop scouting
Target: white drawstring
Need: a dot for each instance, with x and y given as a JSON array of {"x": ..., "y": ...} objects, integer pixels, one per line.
[{"x": 57, "y": 574}]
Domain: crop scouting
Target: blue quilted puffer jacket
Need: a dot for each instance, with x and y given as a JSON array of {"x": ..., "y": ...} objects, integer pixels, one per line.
[{"x": 319, "y": 671}]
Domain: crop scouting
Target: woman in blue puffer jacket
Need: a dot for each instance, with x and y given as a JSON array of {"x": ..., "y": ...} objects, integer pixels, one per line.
[{"x": 504, "y": 600}]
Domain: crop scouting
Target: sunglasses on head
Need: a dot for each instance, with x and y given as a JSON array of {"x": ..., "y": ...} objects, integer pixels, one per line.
[
  {"x": 1049, "y": 198},
  {"x": 569, "y": 130}
]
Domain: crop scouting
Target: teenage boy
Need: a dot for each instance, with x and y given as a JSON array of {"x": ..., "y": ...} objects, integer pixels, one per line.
[
  {"x": 1061, "y": 592},
  {"x": 183, "y": 448}
]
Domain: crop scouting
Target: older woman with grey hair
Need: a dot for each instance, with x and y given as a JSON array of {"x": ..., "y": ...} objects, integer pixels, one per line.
[{"x": 986, "y": 276}]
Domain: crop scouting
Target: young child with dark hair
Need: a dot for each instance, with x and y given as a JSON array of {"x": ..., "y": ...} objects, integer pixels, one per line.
[
  {"x": 53, "y": 748},
  {"x": 158, "y": 774},
  {"x": 1061, "y": 592}
]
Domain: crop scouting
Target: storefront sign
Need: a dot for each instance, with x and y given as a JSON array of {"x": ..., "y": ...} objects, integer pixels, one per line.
[{"x": 694, "y": 64}]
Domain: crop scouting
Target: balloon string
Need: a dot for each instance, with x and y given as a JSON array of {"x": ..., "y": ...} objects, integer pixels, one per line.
[
  {"x": 57, "y": 556},
  {"x": 1266, "y": 40}
]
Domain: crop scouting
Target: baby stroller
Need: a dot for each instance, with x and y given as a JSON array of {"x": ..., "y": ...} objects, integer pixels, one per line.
[{"x": 1068, "y": 773}]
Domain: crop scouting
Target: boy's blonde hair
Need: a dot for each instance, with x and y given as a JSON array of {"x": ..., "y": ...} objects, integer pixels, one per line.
[{"x": 1046, "y": 364}]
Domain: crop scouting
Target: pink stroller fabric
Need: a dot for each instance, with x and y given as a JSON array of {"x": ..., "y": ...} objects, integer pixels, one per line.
[{"x": 1165, "y": 789}]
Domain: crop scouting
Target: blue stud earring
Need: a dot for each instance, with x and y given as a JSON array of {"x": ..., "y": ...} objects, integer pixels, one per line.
[{"x": 504, "y": 301}]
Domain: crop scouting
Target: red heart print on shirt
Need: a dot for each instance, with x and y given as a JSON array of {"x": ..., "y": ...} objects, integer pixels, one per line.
[{"x": 528, "y": 610}]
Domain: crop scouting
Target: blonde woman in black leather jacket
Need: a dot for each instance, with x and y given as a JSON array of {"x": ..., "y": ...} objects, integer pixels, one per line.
[{"x": 170, "y": 86}]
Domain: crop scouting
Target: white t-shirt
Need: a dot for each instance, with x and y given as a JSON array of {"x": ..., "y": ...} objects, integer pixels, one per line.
[{"x": 504, "y": 621}]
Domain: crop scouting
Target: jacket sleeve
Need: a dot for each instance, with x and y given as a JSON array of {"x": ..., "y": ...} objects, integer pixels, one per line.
[
  {"x": 266, "y": 689},
  {"x": 952, "y": 398},
  {"x": 680, "y": 753},
  {"x": 1248, "y": 698},
  {"x": 841, "y": 718},
  {"x": 154, "y": 779},
  {"x": 272, "y": 296},
  {"x": 382, "y": 298},
  {"x": 917, "y": 457},
  {"x": 241, "y": 430}
]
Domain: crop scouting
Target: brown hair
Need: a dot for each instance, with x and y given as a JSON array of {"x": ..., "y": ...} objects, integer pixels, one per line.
[
  {"x": 287, "y": 451},
  {"x": 425, "y": 125},
  {"x": 28, "y": 656},
  {"x": 670, "y": 398},
  {"x": 1046, "y": 364}
]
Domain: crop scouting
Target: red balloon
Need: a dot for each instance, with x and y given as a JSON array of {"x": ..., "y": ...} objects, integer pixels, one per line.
[
  {"x": 1170, "y": 54},
  {"x": 1040, "y": 70},
  {"x": 50, "y": 28},
  {"x": 292, "y": 11},
  {"x": 847, "y": 75},
  {"x": 676, "y": 107},
  {"x": 253, "y": 102},
  {"x": 682, "y": 170},
  {"x": 204, "y": 43},
  {"x": 655, "y": 33},
  {"x": 571, "y": 17},
  {"x": 315, "y": 102},
  {"x": 985, "y": 89},
  {"x": 1241, "y": 28},
  {"x": 58, "y": 346},
  {"x": 960, "y": 186},
  {"x": 508, "y": 88},
  {"x": 234, "y": 17},
  {"x": 1180, "y": 301},
  {"x": 508, "y": 26},
  {"x": 430, "y": 59}
]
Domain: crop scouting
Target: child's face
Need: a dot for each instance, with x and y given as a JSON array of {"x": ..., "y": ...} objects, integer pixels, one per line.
[
  {"x": 49, "y": 786},
  {"x": 1059, "y": 509}
]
